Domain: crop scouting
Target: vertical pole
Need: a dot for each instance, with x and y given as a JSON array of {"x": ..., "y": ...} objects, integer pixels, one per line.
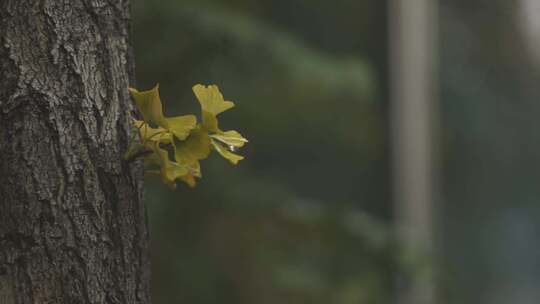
[{"x": 412, "y": 72}]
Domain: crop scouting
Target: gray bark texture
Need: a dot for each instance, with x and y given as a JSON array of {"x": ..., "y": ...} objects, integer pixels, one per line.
[{"x": 73, "y": 226}]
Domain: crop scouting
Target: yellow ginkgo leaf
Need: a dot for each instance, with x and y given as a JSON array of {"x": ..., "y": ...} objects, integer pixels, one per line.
[
  {"x": 194, "y": 148},
  {"x": 233, "y": 158},
  {"x": 212, "y": 103},
  {"x": 176, "y": 145},
  {"x": 189, "y": 180},
  {"x": 153, "y": 134},
  {"x": 209, "y": 121},
  {"x": 194, "y": 171},
  {"x": 189, "y": 152},
  {"x": 149, "y": 103},
  {"x": 211, "y": 99},
  {"x": 181, "y": 126},
  {"x": 173, "y": 171},
  {"x": 230, "y": 138},
  {"x": 170, "y": 171}
]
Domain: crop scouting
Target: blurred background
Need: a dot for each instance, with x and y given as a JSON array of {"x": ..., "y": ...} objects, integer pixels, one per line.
[{"x": 309, "y": 215}]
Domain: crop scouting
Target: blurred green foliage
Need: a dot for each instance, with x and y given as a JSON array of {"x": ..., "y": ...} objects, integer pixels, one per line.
[
  {"x": 303, "y": 219},
  {"x": 489, "y": 219}
]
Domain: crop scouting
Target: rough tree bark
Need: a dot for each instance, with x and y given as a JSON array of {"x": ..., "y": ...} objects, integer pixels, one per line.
[{"x": 72, "y": 223}]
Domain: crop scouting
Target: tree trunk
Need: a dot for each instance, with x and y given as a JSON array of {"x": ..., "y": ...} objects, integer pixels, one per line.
[{"x": 73, "y": 225}]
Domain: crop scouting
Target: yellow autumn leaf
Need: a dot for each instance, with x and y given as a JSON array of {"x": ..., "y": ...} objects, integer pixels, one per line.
[
  {"x": 190, "y": 142},
  {"x": 194, "y": 171},
  {"x": 149, "y": 103},
  {"x": 189, "y": 180},
  {"x": 233, "y": 158},
  {"x": 209, "y": 121},
  {"x": 181, "y": 126},
  {"x": 170, "y": 171},
  {"x": 194, "y": 148},
  {"x": 189, "y": 152},
  {"x": 148, "y": 133},
  {"x": 173, "y": 171},
  {"x": 212, "y": 104},
  {"x": 211, "y": 99},
  {"x": 230, "y": 138}
]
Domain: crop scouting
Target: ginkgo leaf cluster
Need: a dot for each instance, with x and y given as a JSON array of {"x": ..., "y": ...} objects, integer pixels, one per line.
[{"x": 172, "y": 147}]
